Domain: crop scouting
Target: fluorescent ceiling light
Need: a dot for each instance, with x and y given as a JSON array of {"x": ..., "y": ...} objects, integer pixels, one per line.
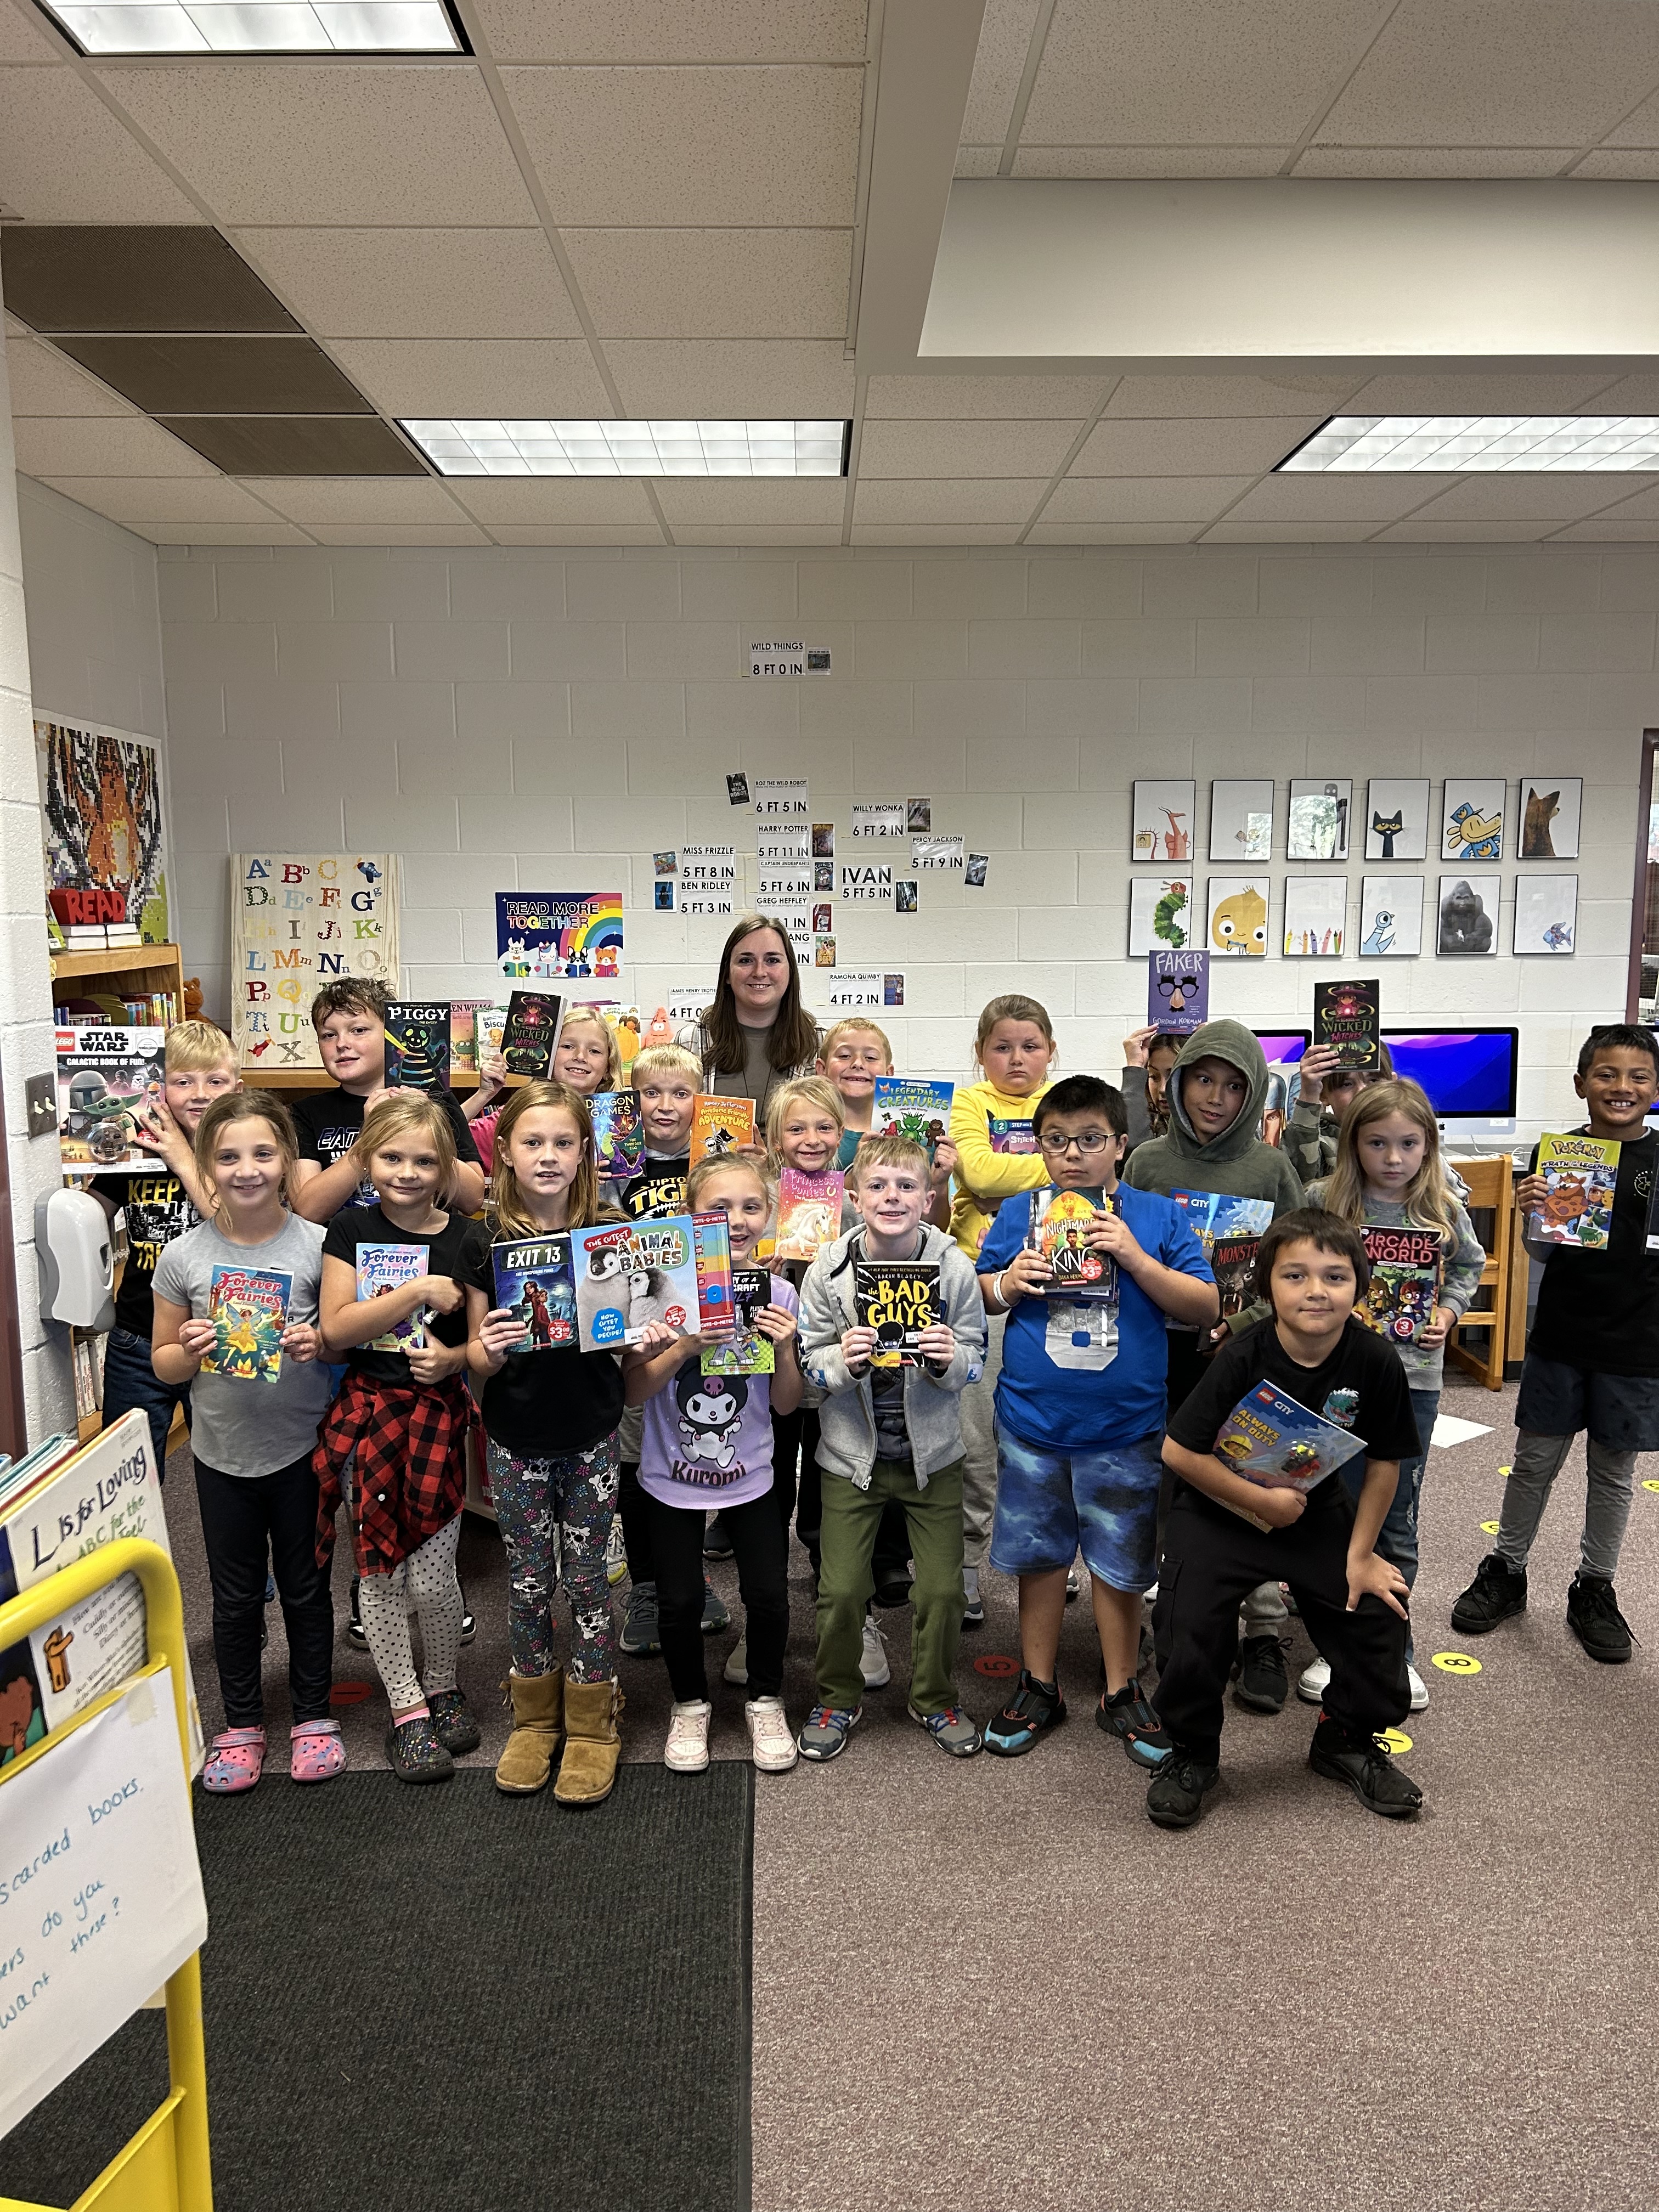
[
  {"x": 1457, "y": 445},
  {"x": 633, "y": 449},
  {"x": 258, "y": 27}
]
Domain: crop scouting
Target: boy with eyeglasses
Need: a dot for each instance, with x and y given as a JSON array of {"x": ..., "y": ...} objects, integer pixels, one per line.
[{"x": 1080, "y": 1410}]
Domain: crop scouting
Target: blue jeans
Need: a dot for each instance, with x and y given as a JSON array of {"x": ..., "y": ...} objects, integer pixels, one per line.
[
  {"x": 129, "y": 1381},
  {"x": 1397, "y": 1540}
]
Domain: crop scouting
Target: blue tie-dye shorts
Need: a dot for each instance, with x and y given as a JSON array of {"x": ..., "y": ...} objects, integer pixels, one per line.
[{"x": 1050, "y": 1504}]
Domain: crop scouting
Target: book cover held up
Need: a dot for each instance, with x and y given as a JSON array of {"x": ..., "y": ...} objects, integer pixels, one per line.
[
  {"x": 533, "y": 1282},
  {"x": 1058, "y": 1225},
  {"x": 530, "y": 1035},
  {"x": 382, "y": 1268},
  {"x": 1272, "y": 1440},
  {"x": 1178, "y": 991},
  {"x": 897, "y": 1298},
  {"x": 720, "y": 1125},
  {"x": 1348, "y": 1017},
  {"x": 248, "y": 1308},
  {"x": 417, "y": 1046},
  {"x": 1581, "y": 1173},
  {"x": 631, "y": 1274},
  {"x": 1405, "y": 1281},
  {"x": 809, "y": 1212}
]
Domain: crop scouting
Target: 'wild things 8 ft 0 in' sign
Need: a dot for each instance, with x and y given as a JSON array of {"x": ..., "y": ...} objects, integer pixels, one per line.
[{"x": 299, "y": 921}]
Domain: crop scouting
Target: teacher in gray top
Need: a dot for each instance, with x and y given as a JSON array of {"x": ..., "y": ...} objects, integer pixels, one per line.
[{"x": 758, "y": 1034}]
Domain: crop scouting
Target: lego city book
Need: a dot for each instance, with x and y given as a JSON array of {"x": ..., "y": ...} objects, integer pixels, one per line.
[
  {"x": 1059, "y": 1226},
  {"x": 417, "y": 1046},
  {"x": 631, "y": 1274},
  {"x": 897, "y": 1298},
  {"x": 809, "y": 1212},
  {"x": 383, "y": 1267},
  {"x": 248, "y": 1308},
  {"x": 1348, "y": 1019},
  {"x": 1405, "y": 1282},
  {"x": 745, "y": 1351},
  {"x": 618, "y": 1133},
  {"x": 720, "y": 1125},
  {"x": 1273, "y": 1441},
  {"x": 1214, "y": 1214},
  {"x": 1178, "y": 991},
  {"x": 531, "y": 1032},
  {"x": 1581, "y": 1175},
  {"x": 905, "y": 1106},
  {"x": 534, "y": 1284}
]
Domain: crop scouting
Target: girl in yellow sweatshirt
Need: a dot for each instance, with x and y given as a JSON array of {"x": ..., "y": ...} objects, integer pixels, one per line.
[{"x": 1014, "y": 1046}]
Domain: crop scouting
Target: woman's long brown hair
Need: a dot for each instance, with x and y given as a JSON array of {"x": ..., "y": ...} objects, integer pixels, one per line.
[{"x": 793, "y": 1042}]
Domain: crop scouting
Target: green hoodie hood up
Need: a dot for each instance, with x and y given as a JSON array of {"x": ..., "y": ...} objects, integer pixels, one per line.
[{"x": 1237, "y": 1163}]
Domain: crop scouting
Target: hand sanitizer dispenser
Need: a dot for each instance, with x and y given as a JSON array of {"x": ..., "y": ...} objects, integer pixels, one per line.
[{"x": 77, "y": 1271}]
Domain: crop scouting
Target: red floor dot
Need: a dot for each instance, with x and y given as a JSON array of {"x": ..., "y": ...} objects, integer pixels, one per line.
[
  {"x": 996, "y": 1663},
  {"x": 349, "y": 1693}
]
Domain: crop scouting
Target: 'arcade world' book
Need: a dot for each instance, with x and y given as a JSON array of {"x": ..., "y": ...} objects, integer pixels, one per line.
[{"x": 1405, "y": 1281}]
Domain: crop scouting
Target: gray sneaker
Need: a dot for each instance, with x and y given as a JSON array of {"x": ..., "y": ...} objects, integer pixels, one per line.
[
  {"x": 973, "y": 1606},
  {"x": 827, "y": 1728},
  {"x": 641, "y": 1637},
  {"x": 951, "y": 1730},
  {"x": 716, "y": 1613}
]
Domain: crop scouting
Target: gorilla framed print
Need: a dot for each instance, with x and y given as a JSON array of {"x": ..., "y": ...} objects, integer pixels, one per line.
[{"x": 1468, "y": 916}]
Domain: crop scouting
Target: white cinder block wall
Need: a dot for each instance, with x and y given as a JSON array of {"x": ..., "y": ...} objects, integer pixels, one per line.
[{"x": 545, "y": 721}]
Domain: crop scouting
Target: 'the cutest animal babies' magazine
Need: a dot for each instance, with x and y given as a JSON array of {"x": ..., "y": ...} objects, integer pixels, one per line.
[{"x": 631, "y": 1274}]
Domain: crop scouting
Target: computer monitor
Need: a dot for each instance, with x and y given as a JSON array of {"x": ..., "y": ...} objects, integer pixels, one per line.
[
  {"x": 1469, "y": 1074},
  {"x": 1283, "y": 1046}
]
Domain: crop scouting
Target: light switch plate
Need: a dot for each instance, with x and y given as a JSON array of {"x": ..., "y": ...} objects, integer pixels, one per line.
[{"x": 40, "y": 1100}]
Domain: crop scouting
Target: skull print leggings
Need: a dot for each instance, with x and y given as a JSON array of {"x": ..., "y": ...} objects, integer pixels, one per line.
[{"x": 555, "y": 1517}]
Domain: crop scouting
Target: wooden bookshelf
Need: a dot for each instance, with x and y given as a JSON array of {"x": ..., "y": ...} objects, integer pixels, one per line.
[
  {"x": 317, "y": 1078},
  {"x": 133, "y": 972}
]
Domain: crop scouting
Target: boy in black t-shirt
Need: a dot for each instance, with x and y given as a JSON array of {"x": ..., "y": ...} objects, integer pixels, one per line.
[
  {"x": 1313, "y": 1267},
  {"x": 1592, "y": 1363}
]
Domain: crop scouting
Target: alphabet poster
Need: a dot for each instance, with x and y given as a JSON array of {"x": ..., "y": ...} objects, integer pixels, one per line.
[
  {"x": 101, "y": 805},
  {"x": 299, "y": 921}
]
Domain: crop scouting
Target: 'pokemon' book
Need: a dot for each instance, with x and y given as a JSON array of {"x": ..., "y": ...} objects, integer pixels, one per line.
[
  {"x": 1582, "y": 1173},
  {"x": 248, "y": 1308},
  {"x": 1404, "y": 1280},
  {"x": 897, "y": 1298},
  {"x": 1215, "y": 1214},
  {"x": 745, "y": 1352},
  {"x": 907, "y": 1107},
  {"x": 1009, "y": 1135},
  {"x": 618, "y": 1133},
  {"x": 809, "y": 1212},
  {"x": 533, "y": 1283},
  {"x": 382, "y": 1268},
  {"x": 1059, "y": 1227},
  {"x": 1270, "y": 1439},
  {"x": 531, "y": 1032},
  {"x": 417, "y": 1046},
  {"x": 631, "y": 1274},
  {"x": 720, "y": 1125}
]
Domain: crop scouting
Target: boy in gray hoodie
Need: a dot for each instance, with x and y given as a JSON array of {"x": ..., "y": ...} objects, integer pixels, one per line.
[{"x": 889, "y": 1432}]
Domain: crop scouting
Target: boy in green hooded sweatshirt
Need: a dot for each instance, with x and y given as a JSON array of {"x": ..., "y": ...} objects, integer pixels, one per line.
[{"x": 1215, "y": 1095}]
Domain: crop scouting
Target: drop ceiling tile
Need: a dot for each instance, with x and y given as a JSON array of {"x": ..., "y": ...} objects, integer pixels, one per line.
[
  {"x": 1231, "y": 446},
  {"x": 578, "y": 534},
  {"x": 47, "y": 382},
  {"x": 398, "y": 533},
  {"x": 1639, "y": 163},
  {"x": 1640, "y": 127},
  {"x": 1005, "y": 39},
  {"x": 162, "y": 499},
  {"x": 1627, "y": 395},
  {"x": 1373, "y": 497},
  {"x": 675, "y": 30},
  {"x": 965, "y": 449},
  {"x": 1434, "y": 160},
  {"x": 761, "y": 379},
  {"x": 1559, "y": 495},
  {"x": 986, "y": 398},
  {"x": 1148, "y": 72},
  {"x": 21, "y": 39},
  {"x": 137, "y": 276},
  {"x": 1231, "y": 532},
  {"x": 994, "y": 500},
  {"x": 1142, "y": 498},
  {"x": 1397, "y": 393},
  {"x": 542, "y": 501},
  {"x": 418, "y": 283},
  {"x": 777, "y": 145},
  {"x": 1497, "y": 73},
  {"x": 179, "y": 375},
  {"x": 759, "y": 533},
  {"x": 339, "y": 143},
  {"x": 494, "y": 377},
  {"x": 977, "y": 160},
  {"x": 314, "y": 501},
  {"x": 928, "y": 533},
  {"x": 65, "y": 158},
  {"x": 734, "y": 499},
  {"x": 98, "y": 446},
  {"x": 298, "y": 444},
  {"x": 1174, "y": 161},
  {"x": 1221, "y": 395},
  {"x": 208, "y": 534},
  {"x": 713, "y": 283},
  {"x": 1112, "y": 533},
  {"x": 1418, "y": 530}
]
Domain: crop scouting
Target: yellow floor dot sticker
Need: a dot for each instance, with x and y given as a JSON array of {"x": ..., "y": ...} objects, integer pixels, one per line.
[
  {"x": 1489, "y": 1528},
  {"x": 1456, "y": 1663},
  {"x": 1506, "y": 1470},
  {"x": 1651, "y": 1486},
  {"x": 1394, "y": 1739}
]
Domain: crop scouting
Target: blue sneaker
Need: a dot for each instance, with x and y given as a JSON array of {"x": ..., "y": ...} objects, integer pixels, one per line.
[
  {"x": 827, "y": 1728},
  {"x": 1033, "y": 1708},
  {"x": 951, "y": 1730},
  {"x": 1130, "y": 1718}
]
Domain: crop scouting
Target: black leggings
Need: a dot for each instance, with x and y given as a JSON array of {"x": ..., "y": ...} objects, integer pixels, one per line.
[
  {"x": 636, "y": 1524},
  {"x": 243, "y": 1517},
  {"x": 757, "y": 1544}
]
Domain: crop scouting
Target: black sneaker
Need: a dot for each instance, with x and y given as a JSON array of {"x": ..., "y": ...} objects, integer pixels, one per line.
[
  {"x": 1175, "y": 1797},
  {"x": 1035, "y": 1707},
  {"x": 452, "y": 1722},
  {"x": 354, "y": 1632},
  {"x": 414, "y": 1754},
  {"x": 1130, "y": 1718},
  {"x": 893, "y": 1593},
  {"x": 1497, "y": 1593},
  {"x": 1594, "y": 1616},
  {"x": 1368, "y": 1769},
  {"x": 1262, "y": 1685},
  {"x": 716, "y": 1539}
]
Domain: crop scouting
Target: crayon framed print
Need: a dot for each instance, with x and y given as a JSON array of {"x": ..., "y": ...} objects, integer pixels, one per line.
[
  {"x": 1397, "y": 818},
  {"x": 1316, "y": 917},
  {"x": 1546, "y": 914},
  {"x": 1160, "y": 914},
  {"x": 1548, "y": 815},
  {"x": 1161, "y": 821},
  {"x": 1391, "y": 917},
  {"x": 1238, "y": 915},
  {"x": 1472, "y": 818},
  {"x": 1322, "y": 808},
  {"x": 1242, "y": 819}
]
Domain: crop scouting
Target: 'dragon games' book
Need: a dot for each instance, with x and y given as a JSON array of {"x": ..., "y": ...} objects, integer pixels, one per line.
[
  {"x": 417, "y": 1046},
  {"x": 904, "y": 1106},
  {"x": 1233, "y": 1263},
  {"x": 631, "y": 1274},
  {"x": 1405, "y": 1281},
  {"x": 533, "y": 1283},
  {"x": 1348, "y": 1017},
  {"x": 531, "y": 1032},
  {"x": 248, "y": 1308},
  {"x": 1009, "y": 1134},
  {"x": 1581, "y": 1173},
  {"x": 618, "y": 1133},
  {"x": 809, "y": 1212},
  {"x": 1060, "y": 1224},
  {"x": 720, "y": 1125},
  {"x": 382, "y": 1268},
  {"x": 1178, "y": 991},
  {"x": 746, "y": 1351},
  {"x": 897, "y": 1298}
]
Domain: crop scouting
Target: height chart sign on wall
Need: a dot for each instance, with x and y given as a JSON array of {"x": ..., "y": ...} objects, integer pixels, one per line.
[{"x": 299, "y": 921}]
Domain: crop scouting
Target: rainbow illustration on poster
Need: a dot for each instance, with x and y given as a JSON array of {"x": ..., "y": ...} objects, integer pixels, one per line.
[{"x": 572, "y": 935}]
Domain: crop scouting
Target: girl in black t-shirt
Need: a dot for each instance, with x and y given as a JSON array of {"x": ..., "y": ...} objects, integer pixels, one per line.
[{"x": 404, "y": 1412}]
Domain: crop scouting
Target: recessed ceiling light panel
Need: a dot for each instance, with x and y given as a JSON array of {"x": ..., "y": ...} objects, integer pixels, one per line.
[
  {"x": 1460, "y": 444},
  {"x": 258, "y": 27},
  {"x": 472, "y": 448}
]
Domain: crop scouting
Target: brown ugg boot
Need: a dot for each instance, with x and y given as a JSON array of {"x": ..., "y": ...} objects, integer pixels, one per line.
[
  {"x": 538, "y": 1702},
  {"x": 592, "y": 1747}
]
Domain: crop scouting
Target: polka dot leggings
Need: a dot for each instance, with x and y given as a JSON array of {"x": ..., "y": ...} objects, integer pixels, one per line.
[{"x": 425, "y": 1584}]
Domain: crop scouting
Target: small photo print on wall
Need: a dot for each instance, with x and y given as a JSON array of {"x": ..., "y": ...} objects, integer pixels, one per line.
[
  {"x": 1546, "y": 913},
  {"x": 1321, "y": 811},
  {"x": 1472, "y": 818},
  {"x": 1391, "y": 917},
  {"x": 904, "y": 896},
  {"x": 1160, "y": 916},
  {"x": 823, "y": 875},
  {"x": 1238, "y": 915},
  {"x": 1316, "y": 917},
  {"x": 1469, "y": 916},
  {"x": 1240, "y": 819},
  {"x": 1161, "y": 825},
  {"x": 1550, "y": 809},
  {"x": 1397, "y": 818},
  {"x": 664, "y": 901}
]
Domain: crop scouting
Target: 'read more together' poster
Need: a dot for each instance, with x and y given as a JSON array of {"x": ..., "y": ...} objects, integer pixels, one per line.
[{"x": 574, "y": 935}]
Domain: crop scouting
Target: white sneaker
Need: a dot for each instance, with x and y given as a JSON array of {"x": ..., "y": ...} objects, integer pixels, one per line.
[
  {"x": 1420, "y": 1690},
  {"x": 1314, "y": 1682},
  {"x": 687, "y": 1748},
  {"x": 771, "y": 1739},
  {"x": 1076, "y": 1575},
  {"x": 615, "y": 1553},
  {"x": 736, "y": 1668},
  {"x": 872, "y": 1660}
]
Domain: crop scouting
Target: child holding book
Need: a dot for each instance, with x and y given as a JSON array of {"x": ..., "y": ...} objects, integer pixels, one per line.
[
  {"x": 1592, "y": 1363},
  {"x": 1081, "y": 1408},
  {"x": 856, "y": 1052},
  {"x": 891, "y": 1432},
  {"x": 707, "y": 1440},
  {"x": 550, "y": 1415},
  {"x": 399, "y": 1425},
  {"x": 240, "y": 1290},
  {"x": 1227, "y": 1534},
  {"x": 1325, "y": 1092},
  {"x": 585, "y": 1059},
  {"x": 1149, "y": 1059},
  {"x": 1389, "y": 1174}
]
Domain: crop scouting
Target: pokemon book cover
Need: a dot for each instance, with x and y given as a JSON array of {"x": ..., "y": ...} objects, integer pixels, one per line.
[
  {"x": 809, "y": 1212},
  {"x": 248, "y": 1308},
  {"x": 630, "y": 1274},
  {"x": 720, "y": 1125},
  {"x": 745, "y": 1352},
  {"x": 382, "y": 1268},
  {"x": 1581, "y": 1173},
  {"x": 1348, "y": 1017},
  {"x": 1270, "y": 1439},
  {"x": 618, "y": 1133},
  {"x": 905, "y": 1106},
  {"x": 1059, "y": 1228},
  {"x": 897, "y": 1298},
  {"x": 533, "y": 1282},
  {"x": 417, "y": 1046},
  {"x": 531, "y": 1032},
  {"x": 105, "y": 1078},
  {"x": 1405, "y": 1281}
]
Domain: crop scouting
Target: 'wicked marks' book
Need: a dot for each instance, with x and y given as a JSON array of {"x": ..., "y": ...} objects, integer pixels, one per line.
[
  {"x": 1347, "y": 1018},
  {"x": 531, "y": 1032}
]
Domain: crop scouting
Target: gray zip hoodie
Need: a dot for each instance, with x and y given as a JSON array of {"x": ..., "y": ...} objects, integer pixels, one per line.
[{"x": 847, "y": 1419}]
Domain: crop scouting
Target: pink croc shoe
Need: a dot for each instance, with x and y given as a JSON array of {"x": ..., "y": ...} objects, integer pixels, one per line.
[
  {"x": 235, "y": 1760},
  {"x": 318, "y": 1751}
]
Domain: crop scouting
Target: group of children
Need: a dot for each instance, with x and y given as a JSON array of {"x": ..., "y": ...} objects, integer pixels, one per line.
[{"x": 1031, "y": 1427}]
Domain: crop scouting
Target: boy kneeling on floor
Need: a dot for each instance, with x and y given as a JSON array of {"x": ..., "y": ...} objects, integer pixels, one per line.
[{"x": 1313, "y": 1268}]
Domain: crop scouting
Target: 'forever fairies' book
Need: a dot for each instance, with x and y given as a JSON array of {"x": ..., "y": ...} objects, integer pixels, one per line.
[
  {"x": 631, "y": 1274},
  {"x": 533, "y": 1283},
  {"x": 618, "y": 1133},
  {"x": 746, "y": 1351},
  {"x": 809, "y": 1212},
  {"x": 720, "y": 1125},
  {"x": 1178, "y": 991},
  {"x": 417, "y": 1046},
  {"x": 1270, "y": 1439},
  {"x": 1405, "y": 1279},
  {"x": 248, "y": 1308},
  {"x": 898, "y": 1299},
  {"x": 1580, "y": 1175},
  {"x": 1060, "y": 1224},
  {"x": 907, "y": 1107},
  {"x": 531, "y": 1032},
  {"x": 383, "y": 1267}
]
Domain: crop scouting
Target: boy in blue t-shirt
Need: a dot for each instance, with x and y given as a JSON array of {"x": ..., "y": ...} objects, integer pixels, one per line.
[{"x": 1081, "y": 1408}]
